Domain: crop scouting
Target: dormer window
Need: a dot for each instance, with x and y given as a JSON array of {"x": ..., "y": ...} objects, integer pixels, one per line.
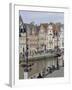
[{"x": 50, "y": 27}]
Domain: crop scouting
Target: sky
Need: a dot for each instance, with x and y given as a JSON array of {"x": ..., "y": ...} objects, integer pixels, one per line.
[{"x": 41, "y": 17}]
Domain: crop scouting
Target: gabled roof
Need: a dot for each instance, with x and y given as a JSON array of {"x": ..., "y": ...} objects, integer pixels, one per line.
[{"x": 20, "y": 19}]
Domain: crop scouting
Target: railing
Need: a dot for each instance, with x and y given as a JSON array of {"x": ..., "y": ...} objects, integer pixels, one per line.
[{"x": 43, "y": 55}]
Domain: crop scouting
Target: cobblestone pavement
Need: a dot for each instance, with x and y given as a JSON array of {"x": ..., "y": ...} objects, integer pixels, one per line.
[{"x": 57, "y": 73}]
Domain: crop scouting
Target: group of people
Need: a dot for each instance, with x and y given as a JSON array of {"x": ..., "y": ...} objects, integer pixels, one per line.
[
  {"x": 39, "y": 76},
  {"x": 46, "y": 72}
]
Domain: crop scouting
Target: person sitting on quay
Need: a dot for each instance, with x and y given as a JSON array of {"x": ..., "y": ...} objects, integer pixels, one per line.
[{"x": 39, "y": 76}]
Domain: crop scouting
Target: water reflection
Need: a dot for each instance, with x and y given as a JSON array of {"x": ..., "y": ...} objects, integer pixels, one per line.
[{"x": 41, "y": 66}]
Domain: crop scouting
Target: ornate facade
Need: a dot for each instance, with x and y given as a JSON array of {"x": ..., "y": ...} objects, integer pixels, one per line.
[{"x": 39, "y": 38}]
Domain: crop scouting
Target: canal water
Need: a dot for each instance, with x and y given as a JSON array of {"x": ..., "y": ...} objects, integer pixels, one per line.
[{"x": 38, "y": 66}]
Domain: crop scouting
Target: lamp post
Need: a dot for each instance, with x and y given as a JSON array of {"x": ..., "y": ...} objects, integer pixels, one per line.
[
  {"x": 57, "y": 53},
  {"x": 23, "y": 30},
  {"x": 26, "y": 57},
  {"x": 27, "y": 66}
]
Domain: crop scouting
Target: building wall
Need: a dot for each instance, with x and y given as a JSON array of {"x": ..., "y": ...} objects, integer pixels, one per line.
[
  {"x": 50, "y": 44},
  {"x": 42, "y": 37},
  {"x": 22, "y": 44}
]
